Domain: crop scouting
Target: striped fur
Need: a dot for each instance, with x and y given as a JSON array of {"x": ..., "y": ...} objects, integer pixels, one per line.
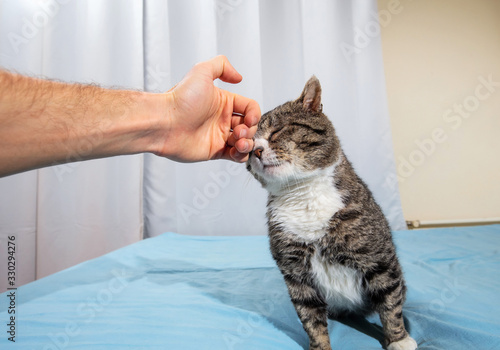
[{"x": 328, "y": 236}]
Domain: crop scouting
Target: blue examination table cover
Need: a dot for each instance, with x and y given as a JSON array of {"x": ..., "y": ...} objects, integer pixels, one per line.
[{"x": 193, "y": 292}]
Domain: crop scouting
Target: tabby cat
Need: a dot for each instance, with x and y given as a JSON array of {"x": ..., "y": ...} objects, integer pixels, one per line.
[{"x": 328, "y": 236}]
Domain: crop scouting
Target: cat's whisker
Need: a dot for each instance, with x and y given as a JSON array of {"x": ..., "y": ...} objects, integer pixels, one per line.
[
  {"x": 247, "y": 181},
  {"x": 294, "y": 177}
]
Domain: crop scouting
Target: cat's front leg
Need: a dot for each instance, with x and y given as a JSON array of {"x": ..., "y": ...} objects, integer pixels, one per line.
[
  {"x": 293, "y": 258},
  {"x": 390, "y": 298},
  {"x": 312, "y": 311}
]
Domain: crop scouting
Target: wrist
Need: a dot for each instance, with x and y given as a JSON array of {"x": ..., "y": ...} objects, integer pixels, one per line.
[{"x": 147, "y": 125}]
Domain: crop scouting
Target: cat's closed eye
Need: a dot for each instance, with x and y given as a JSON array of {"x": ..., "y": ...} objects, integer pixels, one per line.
[{"x": 275, "y": 134}]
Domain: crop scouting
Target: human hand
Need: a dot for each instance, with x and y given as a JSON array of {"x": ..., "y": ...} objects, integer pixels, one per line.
[{"x": 205, "y": 122}]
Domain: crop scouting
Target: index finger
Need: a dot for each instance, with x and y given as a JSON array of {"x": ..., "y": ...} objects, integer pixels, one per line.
[{"x": 248, "y": 108}]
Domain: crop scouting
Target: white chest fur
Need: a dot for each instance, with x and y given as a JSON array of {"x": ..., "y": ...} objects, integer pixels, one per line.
[
  {"x": 341, "y": 286},
  {"x": 306, "y": 210}
]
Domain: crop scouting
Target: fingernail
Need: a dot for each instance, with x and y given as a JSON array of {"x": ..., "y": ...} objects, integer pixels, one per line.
[
  {"x": 246, "y": 148},
  {"x": 243, "y": 134}
]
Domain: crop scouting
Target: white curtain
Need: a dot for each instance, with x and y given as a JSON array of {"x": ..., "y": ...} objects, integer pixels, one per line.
[{"x": 66, "y": 214}]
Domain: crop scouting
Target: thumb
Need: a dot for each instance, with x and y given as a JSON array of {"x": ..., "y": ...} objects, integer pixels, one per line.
[{"x": 223, "y": 70}]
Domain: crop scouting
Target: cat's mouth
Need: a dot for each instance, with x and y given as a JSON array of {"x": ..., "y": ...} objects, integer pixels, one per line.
[
  {"x": 270, "y": 166},
  {"x": 272, "y": 170}
]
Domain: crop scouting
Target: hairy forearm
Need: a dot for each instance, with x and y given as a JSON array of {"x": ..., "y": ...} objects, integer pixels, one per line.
[{"x": 46, "y": 123}]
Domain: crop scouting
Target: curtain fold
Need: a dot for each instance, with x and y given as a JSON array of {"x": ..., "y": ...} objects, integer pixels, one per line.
[{"x": 68, "y": 213}]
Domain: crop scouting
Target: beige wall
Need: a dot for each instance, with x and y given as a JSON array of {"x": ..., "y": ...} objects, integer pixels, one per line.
[{"x": 438, "y": 57}]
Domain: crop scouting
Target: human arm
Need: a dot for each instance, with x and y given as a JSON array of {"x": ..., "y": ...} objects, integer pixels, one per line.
[{"x": 45, "y": 123}]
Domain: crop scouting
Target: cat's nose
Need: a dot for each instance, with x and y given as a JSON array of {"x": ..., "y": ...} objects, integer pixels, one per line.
[{"x": 258, "y": 151}]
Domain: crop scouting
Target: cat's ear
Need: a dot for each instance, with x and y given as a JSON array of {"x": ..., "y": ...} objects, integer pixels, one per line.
[{"x": 311, "y": 96}]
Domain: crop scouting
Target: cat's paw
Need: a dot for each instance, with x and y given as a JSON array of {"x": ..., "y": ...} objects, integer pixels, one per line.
[
  {"x": 407, "y": 343},
  {"x": 321, "y": 347}
]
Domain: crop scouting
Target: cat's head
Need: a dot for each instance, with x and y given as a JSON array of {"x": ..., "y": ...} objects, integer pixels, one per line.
[{"x": 294, "y": 141}]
